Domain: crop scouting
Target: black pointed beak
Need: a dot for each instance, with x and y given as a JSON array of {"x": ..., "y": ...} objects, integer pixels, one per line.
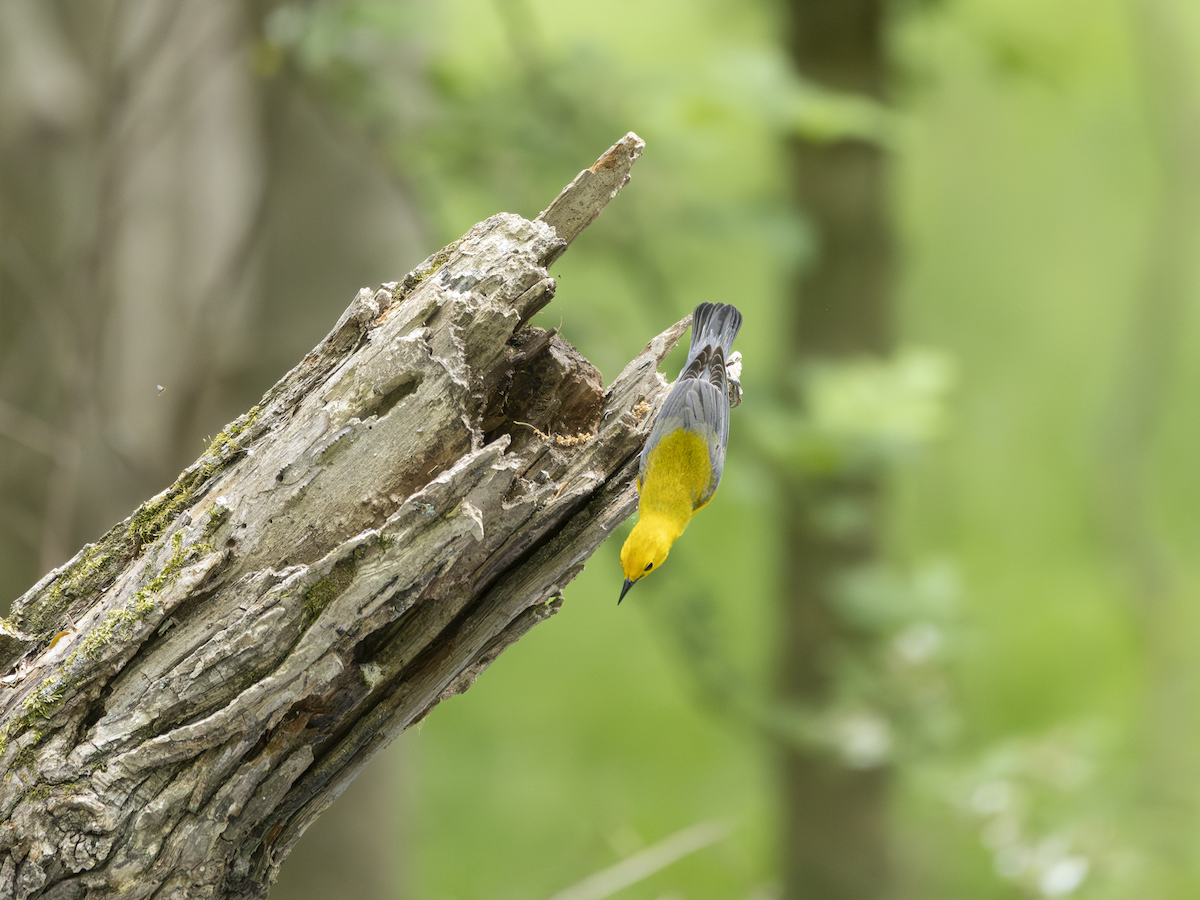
[{"x": 624, "y": 590}]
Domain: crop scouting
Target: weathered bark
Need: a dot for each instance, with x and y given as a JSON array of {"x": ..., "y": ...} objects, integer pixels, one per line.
[{"x": 402, "y": 506}]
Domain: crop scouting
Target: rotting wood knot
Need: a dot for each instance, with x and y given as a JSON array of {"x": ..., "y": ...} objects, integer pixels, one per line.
[{"x": 546, "y": 384}]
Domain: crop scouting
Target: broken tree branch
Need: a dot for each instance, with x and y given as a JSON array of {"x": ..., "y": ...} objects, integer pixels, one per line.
[{"x": 187, "y": 694}]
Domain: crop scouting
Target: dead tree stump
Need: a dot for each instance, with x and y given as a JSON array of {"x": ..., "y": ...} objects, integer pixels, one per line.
[{"x": 186, "y": 695}]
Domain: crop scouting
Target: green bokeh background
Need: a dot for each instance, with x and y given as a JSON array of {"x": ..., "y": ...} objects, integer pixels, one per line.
[
  {"x": 1046, "y": 225},
  {"x": 1026, "y": 182}
]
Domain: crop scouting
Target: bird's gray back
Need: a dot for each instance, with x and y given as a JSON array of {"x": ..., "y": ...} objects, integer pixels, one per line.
[{"x": 699, "y": 400}]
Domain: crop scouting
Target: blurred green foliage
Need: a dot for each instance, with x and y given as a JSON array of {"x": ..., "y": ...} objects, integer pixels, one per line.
[
  {"x": 860, "y": 415},
  {"x": 1015, "y": 689},
  {"x": 1033, "y": 680}
]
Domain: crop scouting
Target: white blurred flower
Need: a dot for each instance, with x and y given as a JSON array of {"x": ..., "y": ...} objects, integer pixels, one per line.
[
  {"x": 865, "y": 739},
  {"x": 1063, "y": 876},
  {"x": 918, "y": 642}
]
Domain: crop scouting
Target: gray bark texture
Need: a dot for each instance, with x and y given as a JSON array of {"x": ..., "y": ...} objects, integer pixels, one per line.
[{"x": 185, "y": 696}]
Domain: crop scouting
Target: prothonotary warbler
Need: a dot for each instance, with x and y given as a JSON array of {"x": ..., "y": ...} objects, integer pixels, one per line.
[{"x": 681, "y": 464}]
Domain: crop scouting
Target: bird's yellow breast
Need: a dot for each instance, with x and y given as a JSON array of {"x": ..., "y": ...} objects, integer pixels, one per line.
[{"x": 678, "y": 473}]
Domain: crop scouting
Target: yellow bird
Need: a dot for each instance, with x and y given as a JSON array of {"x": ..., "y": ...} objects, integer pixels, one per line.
[{"x": 681, "y": 464}]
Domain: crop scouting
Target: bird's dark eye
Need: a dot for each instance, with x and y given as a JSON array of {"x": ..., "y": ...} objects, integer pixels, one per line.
[{"x": 649, "y": 566}]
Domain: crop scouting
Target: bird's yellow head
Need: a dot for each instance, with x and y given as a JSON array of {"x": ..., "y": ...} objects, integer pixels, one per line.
[{"x": 645, "y": 549}]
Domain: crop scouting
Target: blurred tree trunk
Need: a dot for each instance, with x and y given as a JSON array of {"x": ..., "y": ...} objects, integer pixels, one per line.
[
  {"x": 166, "y": 218},
  {"x": 1170, "y": 729},
  {"x": 835, "y": 815}
]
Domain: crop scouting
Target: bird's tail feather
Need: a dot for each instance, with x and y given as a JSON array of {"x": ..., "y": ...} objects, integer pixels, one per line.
[{"x": 714, "y": 323}]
